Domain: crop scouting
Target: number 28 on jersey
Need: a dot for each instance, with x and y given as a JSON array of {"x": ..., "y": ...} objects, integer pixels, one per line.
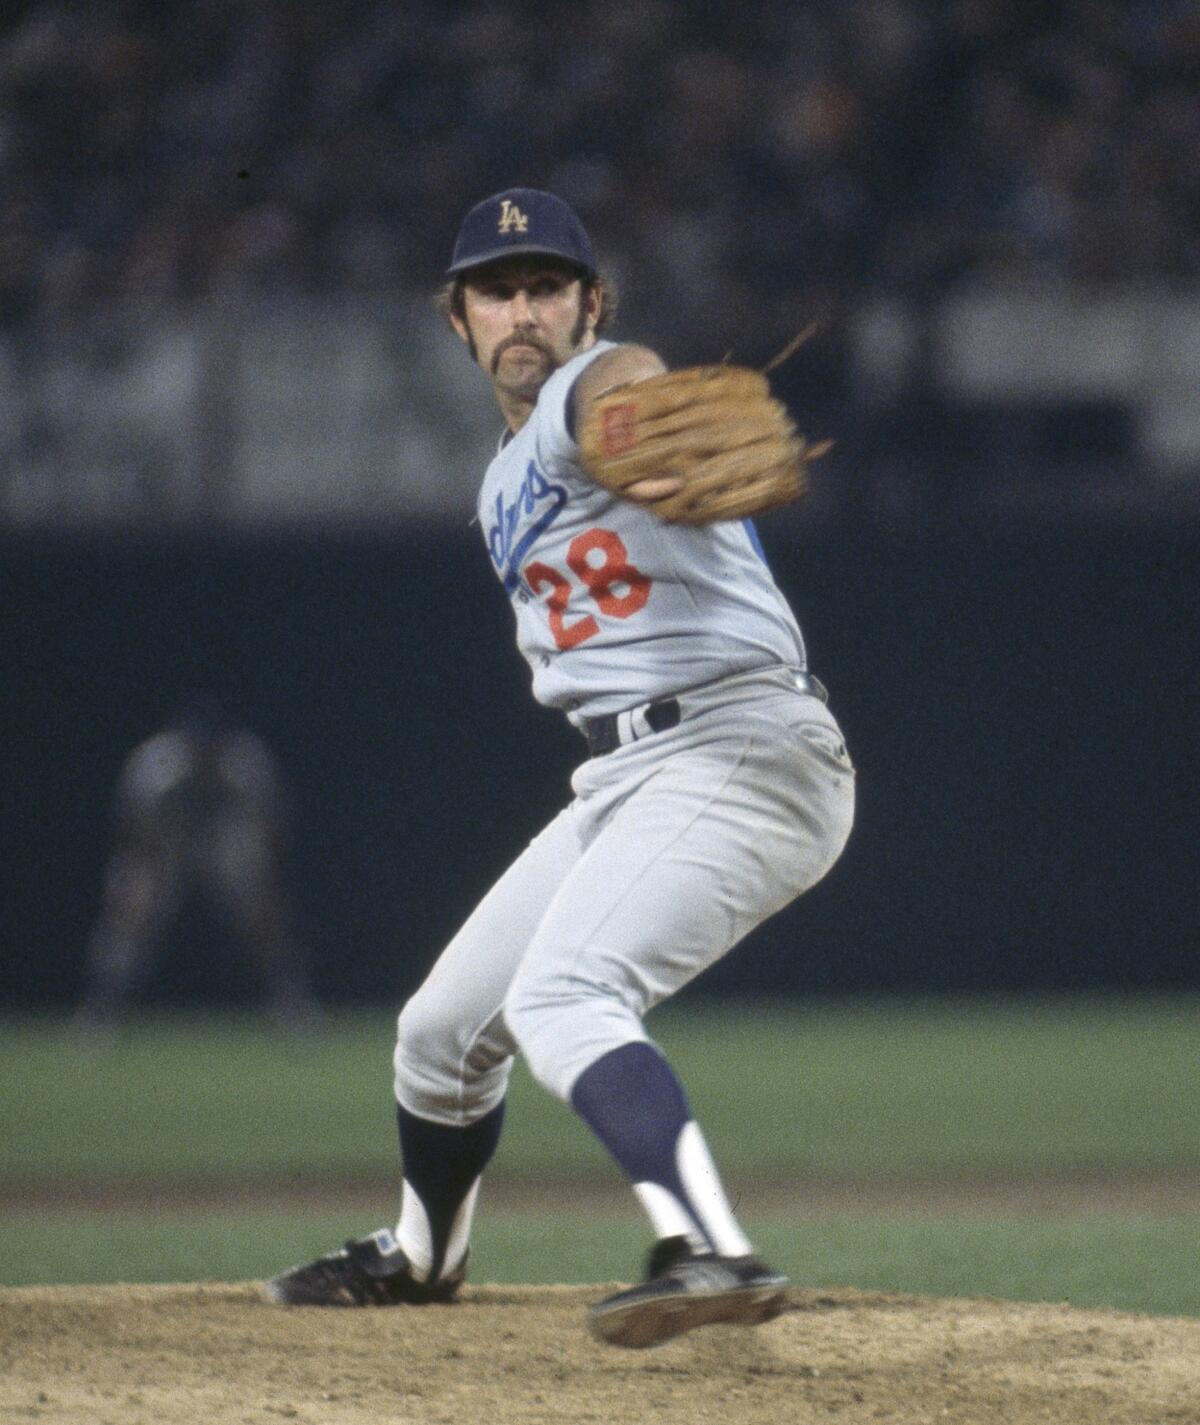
[{"x": 600, "y": 563}]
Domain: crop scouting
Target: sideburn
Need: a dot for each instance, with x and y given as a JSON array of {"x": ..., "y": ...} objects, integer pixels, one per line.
[{"x": 580, "y": 327}]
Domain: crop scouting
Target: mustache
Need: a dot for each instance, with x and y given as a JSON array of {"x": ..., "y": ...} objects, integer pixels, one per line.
[{"x": 520, "y": 339}]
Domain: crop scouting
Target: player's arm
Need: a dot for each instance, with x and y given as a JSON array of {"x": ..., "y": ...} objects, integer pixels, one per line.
[
  {"x": 616, "y": 367},
  {"x": 621, "y": 366}
]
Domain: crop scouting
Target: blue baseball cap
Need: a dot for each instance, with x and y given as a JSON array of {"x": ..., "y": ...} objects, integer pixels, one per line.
[{"x": 521, "y": 220}]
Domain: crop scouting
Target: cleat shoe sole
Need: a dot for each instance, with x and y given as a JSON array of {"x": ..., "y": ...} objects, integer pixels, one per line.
[{"x": 642, "y": 1318}]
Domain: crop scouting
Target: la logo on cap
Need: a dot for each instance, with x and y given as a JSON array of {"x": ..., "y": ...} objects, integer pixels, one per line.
[{"x": 511, "y": 217}]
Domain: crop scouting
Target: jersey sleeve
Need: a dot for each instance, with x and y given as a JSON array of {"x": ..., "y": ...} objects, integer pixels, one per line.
[{"x": 556, "y": 443}]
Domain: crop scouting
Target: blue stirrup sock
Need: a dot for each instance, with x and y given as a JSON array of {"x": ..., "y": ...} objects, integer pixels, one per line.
[
  {"x": 442, "y": 1166},
  {"x": 632, "y": 1101}
]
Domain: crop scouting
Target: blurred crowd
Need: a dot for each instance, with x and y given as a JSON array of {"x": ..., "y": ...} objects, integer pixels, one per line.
[{"x": 762, "y": 158}]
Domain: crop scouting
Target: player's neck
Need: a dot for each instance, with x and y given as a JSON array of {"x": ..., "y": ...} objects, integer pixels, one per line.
[
  {"x": 515, "y": 409},
  {"x": 516, "y": 406}
]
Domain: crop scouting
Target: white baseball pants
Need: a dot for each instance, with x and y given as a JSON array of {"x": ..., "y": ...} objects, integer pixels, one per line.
[{"x": 674, "y": 848}]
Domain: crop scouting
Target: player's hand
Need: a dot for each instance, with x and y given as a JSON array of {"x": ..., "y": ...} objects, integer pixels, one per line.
[{"x": 654, "y": 487}]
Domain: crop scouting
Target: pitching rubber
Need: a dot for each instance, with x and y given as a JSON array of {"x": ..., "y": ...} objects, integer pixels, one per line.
[{"x": 653, "y": 1320}]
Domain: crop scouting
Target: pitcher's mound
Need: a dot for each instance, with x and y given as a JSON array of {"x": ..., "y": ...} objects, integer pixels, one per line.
[{"x": 213, "y": 1354}]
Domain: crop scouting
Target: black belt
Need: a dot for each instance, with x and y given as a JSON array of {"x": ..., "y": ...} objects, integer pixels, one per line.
[{"x": 604, "y": 734}]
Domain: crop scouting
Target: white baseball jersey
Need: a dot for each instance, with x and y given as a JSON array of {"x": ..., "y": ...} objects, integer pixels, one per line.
[{"x": 613, "y": 606}]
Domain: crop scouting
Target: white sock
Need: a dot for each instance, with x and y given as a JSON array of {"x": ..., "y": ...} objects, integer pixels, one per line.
[
  {"x": 416, "y": 1238},
  {"x": 706, "y": 1215}
]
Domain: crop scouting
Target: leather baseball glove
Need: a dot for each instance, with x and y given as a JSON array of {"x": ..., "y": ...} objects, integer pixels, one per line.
[{"x": 697, "y": 445}]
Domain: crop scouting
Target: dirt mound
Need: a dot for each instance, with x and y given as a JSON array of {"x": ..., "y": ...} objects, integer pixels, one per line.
[{"x": 213, "y": 1354}]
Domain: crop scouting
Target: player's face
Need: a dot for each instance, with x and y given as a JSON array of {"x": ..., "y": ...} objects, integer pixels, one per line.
[{"x": 523, "y": 319}]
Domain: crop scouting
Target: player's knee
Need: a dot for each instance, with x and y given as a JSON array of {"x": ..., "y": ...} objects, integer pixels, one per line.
[
  {"x": 426, "y": 1041},
  {"x": 534, "y": 1001},
  {"x": 561, "y": 1024},
  {"x": 443, "y": 1069},
  {"x": 541, "y": 1036}
]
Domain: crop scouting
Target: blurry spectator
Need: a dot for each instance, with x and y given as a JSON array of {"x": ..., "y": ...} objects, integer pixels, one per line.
[
  {"x": 199, "y": 807},
  {"x": 159, "y": 154}
]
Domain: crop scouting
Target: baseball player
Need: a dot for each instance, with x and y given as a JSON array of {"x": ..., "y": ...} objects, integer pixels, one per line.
[
  {"x": 717, "y": 786},
  {"x": 199, "y": 806}
]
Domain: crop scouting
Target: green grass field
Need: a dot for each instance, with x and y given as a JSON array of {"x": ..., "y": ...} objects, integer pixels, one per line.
[{"x": 861, "y": 1090}]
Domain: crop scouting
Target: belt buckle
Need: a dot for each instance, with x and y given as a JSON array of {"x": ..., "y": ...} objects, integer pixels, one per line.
[{"x": 810, "y": 683}]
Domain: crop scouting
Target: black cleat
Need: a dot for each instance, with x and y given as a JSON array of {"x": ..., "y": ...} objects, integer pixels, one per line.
[
  {"x": 684, "y": 1290},
  {"x": 371, "y": 1271}
]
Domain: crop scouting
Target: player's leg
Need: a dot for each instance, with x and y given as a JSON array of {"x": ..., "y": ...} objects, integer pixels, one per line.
[
  {"x": 729, "y": 827},
  {"x": 452, "y": 1063},
  {"x": 140, "y": 893},
  {"x": 246, "y": 879}
]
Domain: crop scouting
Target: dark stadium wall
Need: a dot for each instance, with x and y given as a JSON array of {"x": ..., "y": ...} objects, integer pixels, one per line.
[{"x": 1023, "y": 708}]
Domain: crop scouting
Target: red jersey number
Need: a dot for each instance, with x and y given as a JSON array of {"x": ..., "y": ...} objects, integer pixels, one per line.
[
  {"x": 599, "y": 560},
  {"x": 537, "y": 576}
]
